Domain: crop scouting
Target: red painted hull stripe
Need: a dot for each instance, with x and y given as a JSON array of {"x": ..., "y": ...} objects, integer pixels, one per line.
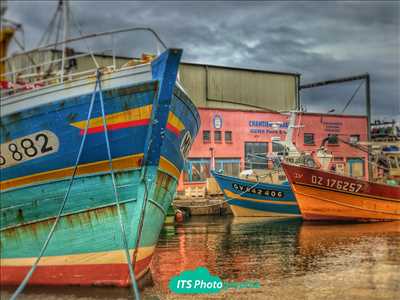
[
  {"x": 173, "y": 129},
  {"x": 128, "y": 124},
  {"x": 99, "y": 274},
  {"x": 117, "y": 126}
]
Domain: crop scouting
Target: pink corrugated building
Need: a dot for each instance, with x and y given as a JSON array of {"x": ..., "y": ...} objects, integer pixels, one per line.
[{"x": 233, "y": 140}]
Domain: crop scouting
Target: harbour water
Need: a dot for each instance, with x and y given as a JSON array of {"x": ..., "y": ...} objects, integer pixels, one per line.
[{"x": 290, "y": 259}]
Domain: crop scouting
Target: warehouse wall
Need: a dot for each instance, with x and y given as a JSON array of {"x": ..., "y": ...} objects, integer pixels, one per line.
[{"x": 219, "y": 87}]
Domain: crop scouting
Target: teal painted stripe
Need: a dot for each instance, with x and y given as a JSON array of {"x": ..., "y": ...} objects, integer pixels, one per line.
[
  {"x": 43, "y": 201},
  {"x": 92, "y": 230}
]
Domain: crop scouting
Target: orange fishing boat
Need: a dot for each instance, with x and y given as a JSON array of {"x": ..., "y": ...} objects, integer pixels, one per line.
[{"x": 324, "y": 196}]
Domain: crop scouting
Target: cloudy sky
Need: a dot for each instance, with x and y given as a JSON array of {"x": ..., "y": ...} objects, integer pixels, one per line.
[{"x": 319, "y": 40}]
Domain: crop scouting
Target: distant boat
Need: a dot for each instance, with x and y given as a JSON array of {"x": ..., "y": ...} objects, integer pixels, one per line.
[
  {"x": 151, "y": 124},
  {"x": 324, "y": 196},
  {"x": 257, "y": 199}
]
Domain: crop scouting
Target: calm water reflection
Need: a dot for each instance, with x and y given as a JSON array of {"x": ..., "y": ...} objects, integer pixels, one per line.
[{"x": 290, "y": 259}]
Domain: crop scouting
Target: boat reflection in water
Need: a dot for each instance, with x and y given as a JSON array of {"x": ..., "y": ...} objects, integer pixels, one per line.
[
  {"x": 320, "y": 238},
  {"x": 290, "y": 259}
]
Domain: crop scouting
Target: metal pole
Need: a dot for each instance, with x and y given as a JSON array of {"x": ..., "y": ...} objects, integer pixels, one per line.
[
  {"x": 298, "y": 99},
  {"x": 65, "y": 19},
  {"x": 334, "y": 81},
  {"x": 368, "y": 104}
]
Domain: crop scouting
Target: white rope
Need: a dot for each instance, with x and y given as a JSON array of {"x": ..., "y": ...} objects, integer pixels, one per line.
[
  {"x": 53, "y": 228},
  {"x": 125, "y": 241}
]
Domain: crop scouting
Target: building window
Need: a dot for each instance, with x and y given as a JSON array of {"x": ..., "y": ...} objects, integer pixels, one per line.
[
  {"x": 393, "y": 162},
  {"x": 277, "y": 147},
  {"x": 354, "y": 138},
  {"x": 206, "y": 136},
  {"x": 230, "y": 167},
  {"x": 196, "y": 170},
  {"x": 228, "y": 137},
  {"x": 217, "y": 136},
  {"x": 355, "y": 167},
  {"x": 333, "y": 139},
  {"x": 255, "y": 155},
  {"x": 309, "y": 139}
]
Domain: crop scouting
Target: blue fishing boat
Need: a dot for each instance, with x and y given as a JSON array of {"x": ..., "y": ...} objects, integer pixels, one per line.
[
  {"x": 90, "y": 164},
  {"x": 257, "y": 199}
]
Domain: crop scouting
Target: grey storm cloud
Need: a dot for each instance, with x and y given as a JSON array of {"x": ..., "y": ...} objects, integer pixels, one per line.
[{"x": 319, "y": 40}]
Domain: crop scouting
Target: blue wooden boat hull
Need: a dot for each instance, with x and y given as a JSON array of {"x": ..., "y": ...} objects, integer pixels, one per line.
[
  {"x": 151, "y": 126},
  {"x": 251, "y": 199}
]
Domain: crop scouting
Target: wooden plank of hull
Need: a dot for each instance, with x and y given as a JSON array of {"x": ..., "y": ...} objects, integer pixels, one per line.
[
  {"x": 324, "y": 195},
  {"x": 239, "y": 211},
  {"x": 318, "y": 204}
]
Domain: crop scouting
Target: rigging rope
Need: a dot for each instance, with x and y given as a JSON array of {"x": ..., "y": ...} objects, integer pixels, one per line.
[
  {"x": 352, "y": 97},
  {"x": 125, "y": 241},
  {"x": 50, "y": 235},
  {"x": 145, "y": 195},
  {"x": 59, "y": 215}
]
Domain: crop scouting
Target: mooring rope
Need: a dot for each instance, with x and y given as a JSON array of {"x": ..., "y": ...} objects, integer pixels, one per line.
[
  {"x": 50, "y": 235},
  {"x": 141, "y": 222},
  {"x": 125, "y": 241},
  {"x": 145, "y": 195}
]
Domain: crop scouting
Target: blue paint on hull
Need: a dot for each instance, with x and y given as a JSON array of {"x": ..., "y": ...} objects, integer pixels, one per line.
[
  {"x": 90, "y": 220},
  {"x": 258, "y": 196}
]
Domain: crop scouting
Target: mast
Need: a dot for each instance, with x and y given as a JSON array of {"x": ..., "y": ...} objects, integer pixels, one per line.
[
  {"x": 368, "y": 103},
  {"x": 7, "y": 31},
  {"x": 366, "y": 78},
  {"x": 64, "y": 6},
  {"x": 288, "y": 143}
]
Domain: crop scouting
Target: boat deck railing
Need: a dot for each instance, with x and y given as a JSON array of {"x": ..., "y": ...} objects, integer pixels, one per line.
[{"x": 49, "y": 65}]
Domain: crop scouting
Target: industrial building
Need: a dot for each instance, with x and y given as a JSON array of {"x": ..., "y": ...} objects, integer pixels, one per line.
[
  {"x": 244, "y": 113},
  {"x": 229, "y": 139}
]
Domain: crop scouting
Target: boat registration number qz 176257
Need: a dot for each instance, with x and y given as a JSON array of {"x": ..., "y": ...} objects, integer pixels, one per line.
[
  {"x": 257, "y": 191},
  {"x": 342, "y": 185},
  {"x": 27, "y": 148}
]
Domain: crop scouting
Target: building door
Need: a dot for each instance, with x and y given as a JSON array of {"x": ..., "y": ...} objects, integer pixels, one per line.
[
  {"x": 355, "y": 167},
  {"x": 255, "y": 155},
  {"x": 197, "y": 170},
  {"x": 230, "y": 167}
]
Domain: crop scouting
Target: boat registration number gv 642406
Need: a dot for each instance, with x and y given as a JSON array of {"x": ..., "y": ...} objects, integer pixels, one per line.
[
  {"x": 257, "y": 191},
  {"x": 342, "y": 185},
  {"x": 27, "y": 148}
]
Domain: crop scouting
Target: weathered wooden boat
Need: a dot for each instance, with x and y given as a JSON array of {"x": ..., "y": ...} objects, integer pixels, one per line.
[
  {"x": 150, "y": 123},
  {"x": 324, "y": 195},
  {"x": 257, "y": 199}
]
